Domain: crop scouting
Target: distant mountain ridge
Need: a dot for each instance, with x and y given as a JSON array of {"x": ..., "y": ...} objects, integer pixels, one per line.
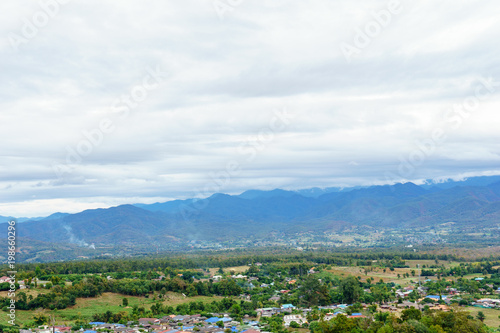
[{"x": 257, "y": 214}]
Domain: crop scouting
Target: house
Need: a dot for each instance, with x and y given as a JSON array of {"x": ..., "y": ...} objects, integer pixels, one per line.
[
  {"x": 287, "y": 307},
  {"x": 253, "y": 323},
  {"x": 488, "y": 303},
  {"x": 327, "y": 307},
  {"x": 296, "y": 318},
  {"x": 436, "y": 297},
  {"x": 268, "y": 312},
  {"x": 251, "y": 330},
  {"x": 166, "y": 319},
  {"x": 177, "y": 319},
  {"x": 61, "y": 329},
  {"x": 388, "y": 307},
  {"x": 105, "y": 326},
  {"x": 148, "y": 321},
  {"x": 407, "y": 304},
  {"x": 160, "y": 278},
  {"x": 331, "y": 315},
  {"x": 4, "y": 279},
  {"x": 356, "y": 315},
  {"x": 403, "y": 294},
  {"x": 214, "y": 320}
]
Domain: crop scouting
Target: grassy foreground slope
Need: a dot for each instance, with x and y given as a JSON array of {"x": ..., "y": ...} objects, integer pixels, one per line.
[{"x": 85, "y": 308}]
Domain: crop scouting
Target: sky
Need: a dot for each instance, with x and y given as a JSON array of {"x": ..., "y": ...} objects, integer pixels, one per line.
[{"x": 111, "y": 102}]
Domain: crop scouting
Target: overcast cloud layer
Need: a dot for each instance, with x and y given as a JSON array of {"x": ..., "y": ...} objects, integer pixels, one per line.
[{"x": 110, "y": 102}]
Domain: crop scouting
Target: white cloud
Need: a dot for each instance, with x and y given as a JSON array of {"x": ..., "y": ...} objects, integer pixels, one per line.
[{"x": 352, "y": 121}]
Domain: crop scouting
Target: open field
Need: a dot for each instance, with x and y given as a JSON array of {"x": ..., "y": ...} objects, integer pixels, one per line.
[
  {"x": 468, "y": 253},
  {"x": 377, "y": 274},
  {"x": 85, "y": 308},
  {"x": 491, "y": 320},
  {"x": 32, "y": 292},
  {"x": 427, "y": 263},
  {"x": 236, "y": 270}
]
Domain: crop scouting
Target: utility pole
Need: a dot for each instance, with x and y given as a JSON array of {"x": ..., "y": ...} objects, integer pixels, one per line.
[
  {"x": 52, "y": 321},
  {"x": 419, "y": 273}
]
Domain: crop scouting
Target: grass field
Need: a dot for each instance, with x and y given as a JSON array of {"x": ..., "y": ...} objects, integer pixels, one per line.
[
  {"x": 427, "y": 263},
  {"x": 85, "y": 308},
  {"x": 378, "y": 273},
  {"x": 491, "y": 320},
  {"x": 236, "y": 270},
  {"x": 32, "y": 292}
]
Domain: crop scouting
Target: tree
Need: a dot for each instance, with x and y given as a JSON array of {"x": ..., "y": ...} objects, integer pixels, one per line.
[
  {"x": 350, "y": 289},
  {"x": 125, "y": 301},
  {"x": 294, "y": 324},
  {"x": 380, "y": 293},
  {"x": 411, "y": 313},
  {"x": 253, "y": 270},
  {"x": 40, "y": 319},
  {"x": 381, "y": 316},
  {"x": 312, "y": 292},
  {"x": 480, "y": 315}
]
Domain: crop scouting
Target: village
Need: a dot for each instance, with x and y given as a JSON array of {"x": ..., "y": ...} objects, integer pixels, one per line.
[{"x": 281, "y": 315}]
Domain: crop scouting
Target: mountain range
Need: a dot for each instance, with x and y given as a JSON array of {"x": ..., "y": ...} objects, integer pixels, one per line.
[{"x": 257, "y": 214}]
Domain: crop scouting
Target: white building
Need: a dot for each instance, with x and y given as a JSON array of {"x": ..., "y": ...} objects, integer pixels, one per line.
[{"x": 296, "y": 318}]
